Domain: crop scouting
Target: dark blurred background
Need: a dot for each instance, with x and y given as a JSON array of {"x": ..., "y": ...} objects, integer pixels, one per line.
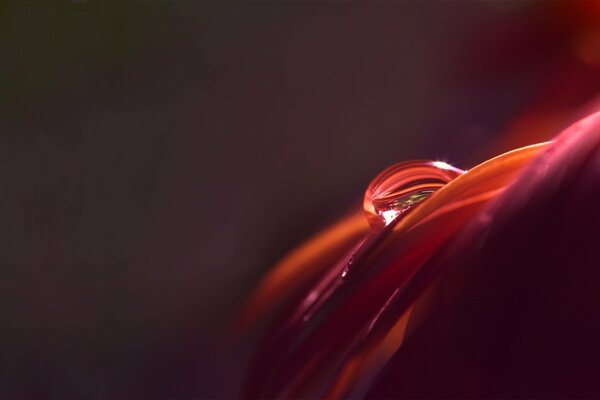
[{"x": 157, "y": 158}]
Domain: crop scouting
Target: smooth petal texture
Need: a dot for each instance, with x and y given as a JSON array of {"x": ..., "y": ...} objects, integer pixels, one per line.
[
  {"x": 339, "y": 348},
  {"x": 516, "y": 308},
  {"x": 294, "y": 374}
]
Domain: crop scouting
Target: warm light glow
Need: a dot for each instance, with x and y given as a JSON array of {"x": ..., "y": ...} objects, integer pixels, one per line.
[{"x": 443, "y": 165}]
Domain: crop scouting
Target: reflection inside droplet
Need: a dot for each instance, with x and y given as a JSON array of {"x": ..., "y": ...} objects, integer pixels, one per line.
[{"x": 400, "y": 187}]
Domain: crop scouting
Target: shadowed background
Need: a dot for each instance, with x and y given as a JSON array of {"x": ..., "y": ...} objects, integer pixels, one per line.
[{"x": 156, "y": 158}]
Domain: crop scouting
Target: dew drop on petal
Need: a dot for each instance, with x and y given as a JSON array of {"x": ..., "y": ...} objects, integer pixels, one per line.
[{"x": 398, "y": 188}]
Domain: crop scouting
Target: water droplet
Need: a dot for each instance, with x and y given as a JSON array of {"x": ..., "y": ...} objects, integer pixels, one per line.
[{"x": 400, "y": 187}]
